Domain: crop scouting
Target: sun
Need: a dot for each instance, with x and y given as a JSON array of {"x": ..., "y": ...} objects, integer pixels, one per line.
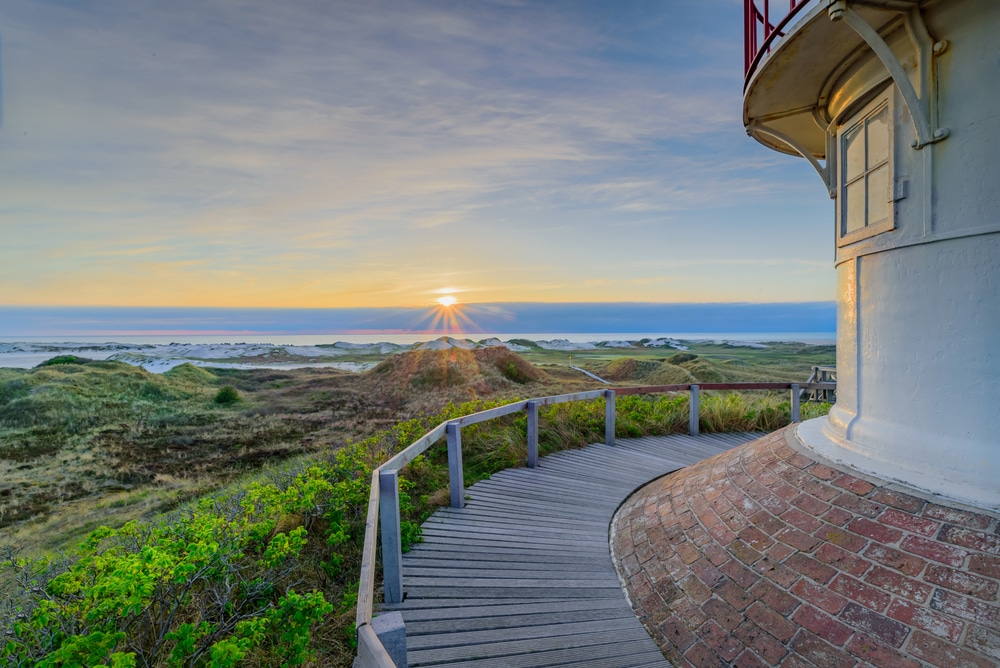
[{"x": 447, "y": 300}]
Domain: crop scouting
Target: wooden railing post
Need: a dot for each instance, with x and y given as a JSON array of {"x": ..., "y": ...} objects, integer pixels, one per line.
[
  {"x": 532, "y": 409},
  {"x": 392, "y": 543},
  {"x": 693, "y": 413},
  {"x": 796, "y": 413},
  {"x": 609, "y": 417},
  {"x": 456, "y": 474}
]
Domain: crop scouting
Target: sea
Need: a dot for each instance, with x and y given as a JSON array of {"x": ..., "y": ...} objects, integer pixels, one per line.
[
  {"x": 160, "y": 352},
  {"x": 817, "y": 338}
]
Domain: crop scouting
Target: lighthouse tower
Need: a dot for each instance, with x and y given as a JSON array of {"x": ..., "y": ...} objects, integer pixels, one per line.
[{"x": 896, "y": 106}]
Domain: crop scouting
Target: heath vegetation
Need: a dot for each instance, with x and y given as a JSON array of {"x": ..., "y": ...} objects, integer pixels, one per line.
[{"x": 215, "y": 518}]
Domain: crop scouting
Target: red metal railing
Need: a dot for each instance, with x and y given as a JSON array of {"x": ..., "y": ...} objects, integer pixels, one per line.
[{"x": 760, "y": 31}]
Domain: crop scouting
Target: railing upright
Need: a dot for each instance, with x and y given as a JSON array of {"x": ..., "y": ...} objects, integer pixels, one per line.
[
  {"x": 760, "y": 33},
  {"x": 693, "y": 410},
  {"x": 456, "y": 474},
  {"x": 609, "y": 417},
  {"x": 532, "y": 409},
  {"x": 392, "y": 542},
  {"x": 795, "y": 409}
]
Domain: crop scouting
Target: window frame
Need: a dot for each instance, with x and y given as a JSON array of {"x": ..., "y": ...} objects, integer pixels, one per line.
[{"x": 861, "y": 118}]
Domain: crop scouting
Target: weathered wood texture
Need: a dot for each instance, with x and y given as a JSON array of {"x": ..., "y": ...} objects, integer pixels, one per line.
[{"x": 522, "y": 575}]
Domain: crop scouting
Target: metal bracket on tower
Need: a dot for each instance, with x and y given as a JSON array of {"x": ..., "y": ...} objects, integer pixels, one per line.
[
  {"x": 823, "y": 170},
  {"x": 923, "y": 110}
]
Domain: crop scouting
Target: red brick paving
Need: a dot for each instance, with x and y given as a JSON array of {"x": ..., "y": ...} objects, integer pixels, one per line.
[{"x": 762, "y": 556}]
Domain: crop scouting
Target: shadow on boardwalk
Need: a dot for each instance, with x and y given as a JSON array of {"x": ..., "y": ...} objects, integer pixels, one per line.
[{"x": 522, "y": 576}]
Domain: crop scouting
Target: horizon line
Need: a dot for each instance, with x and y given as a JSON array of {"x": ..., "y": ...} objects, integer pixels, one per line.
[{"x": 417, "y": 306}]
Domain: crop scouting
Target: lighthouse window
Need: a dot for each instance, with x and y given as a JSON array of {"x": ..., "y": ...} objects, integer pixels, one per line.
[{"x": 865, "y": 202}]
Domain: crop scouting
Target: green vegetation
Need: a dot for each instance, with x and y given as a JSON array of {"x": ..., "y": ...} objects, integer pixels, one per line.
[
  {"x": 227, "y": 395},
  {"x": 778, "y": 361},
  {"x": 236, "y": 534},
  {"x": 163, "y": 593},
  {"x": 65, "y": 359}
]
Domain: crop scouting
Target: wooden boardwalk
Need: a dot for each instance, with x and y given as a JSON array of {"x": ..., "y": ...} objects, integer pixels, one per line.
[{"x": 522, "y": 576}]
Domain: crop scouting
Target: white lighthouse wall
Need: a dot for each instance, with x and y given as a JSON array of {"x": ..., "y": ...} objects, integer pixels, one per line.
[{"x": 918, "y": 359}]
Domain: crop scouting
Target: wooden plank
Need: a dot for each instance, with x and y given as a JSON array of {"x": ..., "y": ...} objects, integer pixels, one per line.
[
  {"x": 494, "y": 529},
  {"x": 502, "y": 593},
  {"x": 539, "y": 548},
  {"x": 456, "y": 472},
  {"x": 579, "y": 499},
  {"x": 489, "y": 515},
  {"x": 542, "y": 553},
  {"x": 507, "y": 648},
  {"x": 506, "y": 529},
  {"x": 370, "y": 649},
  {"x": 469, "y": 551},
  {"x": 470, "y": 583},
  {"x": 438, "y": 609},
  {"x": 366, "y": 586},
  {"x": 486, "y": 513},
  {"x": 608, "y": 476},
  {"x": 526, "y": 505},
  {"x": 559, "y": 616},
  {"x": 581, "y": 492},
  {"x": 626, "y": 460},
  {"x": 492, "y": 413},
  {"x": 607, "y": 473},
  {"x": 531, "y": 542},
  {"x": 433, "y": 605},
  {"x": 565, "y": 398},
  {"x": 568, "y": 476},
  {"x": 620, "y": 655},
  {"x": 484, "y": 636},
  {"x": 392, "y": 551},
  {"x": 501, "y": 573},
  {"x": 650, "y": 389},
  {"x": 413, "y": 565},
  {"x": 639, "y": 660},
  {"x": 415, "y": 449}
]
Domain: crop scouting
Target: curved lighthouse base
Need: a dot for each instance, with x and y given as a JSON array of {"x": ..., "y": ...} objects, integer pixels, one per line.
[{"x": 954, "y": 468}]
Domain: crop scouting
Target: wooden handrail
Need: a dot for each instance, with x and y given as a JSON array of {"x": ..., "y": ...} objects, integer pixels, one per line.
[{"x": 383, "y": 499}]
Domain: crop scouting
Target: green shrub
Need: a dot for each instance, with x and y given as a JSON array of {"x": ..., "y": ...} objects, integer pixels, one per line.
[
  {"x": 227, "y": 395},
  {"x": 64, "y": 359},
  {"x": 12, "y": 389}
]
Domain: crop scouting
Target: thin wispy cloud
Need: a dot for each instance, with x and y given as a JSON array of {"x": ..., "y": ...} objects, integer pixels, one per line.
[{"x": 355, "y": 153}]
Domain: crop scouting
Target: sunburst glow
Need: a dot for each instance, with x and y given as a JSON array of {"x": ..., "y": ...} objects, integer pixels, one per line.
[{"x": 447, "y": 300}]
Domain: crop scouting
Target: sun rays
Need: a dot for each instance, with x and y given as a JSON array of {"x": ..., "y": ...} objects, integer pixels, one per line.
[{"x": 450, "y": 318}]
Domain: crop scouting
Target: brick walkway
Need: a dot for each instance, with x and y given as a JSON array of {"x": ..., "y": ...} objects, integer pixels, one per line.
[{"x": 761, "y": 556}]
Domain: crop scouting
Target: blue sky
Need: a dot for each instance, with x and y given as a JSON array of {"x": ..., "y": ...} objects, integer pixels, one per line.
[{"x": 321, "y": 154}]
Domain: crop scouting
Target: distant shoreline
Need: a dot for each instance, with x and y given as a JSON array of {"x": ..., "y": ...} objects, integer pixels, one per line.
[
  {"x": 349, "y": 353},
  {"x": 409, "y": 338}
]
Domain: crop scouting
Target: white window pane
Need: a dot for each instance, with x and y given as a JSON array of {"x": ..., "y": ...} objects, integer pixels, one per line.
[
  {"x": 854, "y": 217},
  {"x": 878, "y": 195},
  {"x": 854, "y": 152},
  {"x": 878, "y": 137}
]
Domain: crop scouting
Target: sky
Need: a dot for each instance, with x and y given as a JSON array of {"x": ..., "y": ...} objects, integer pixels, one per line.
[{"x": 332, "y": 154}]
